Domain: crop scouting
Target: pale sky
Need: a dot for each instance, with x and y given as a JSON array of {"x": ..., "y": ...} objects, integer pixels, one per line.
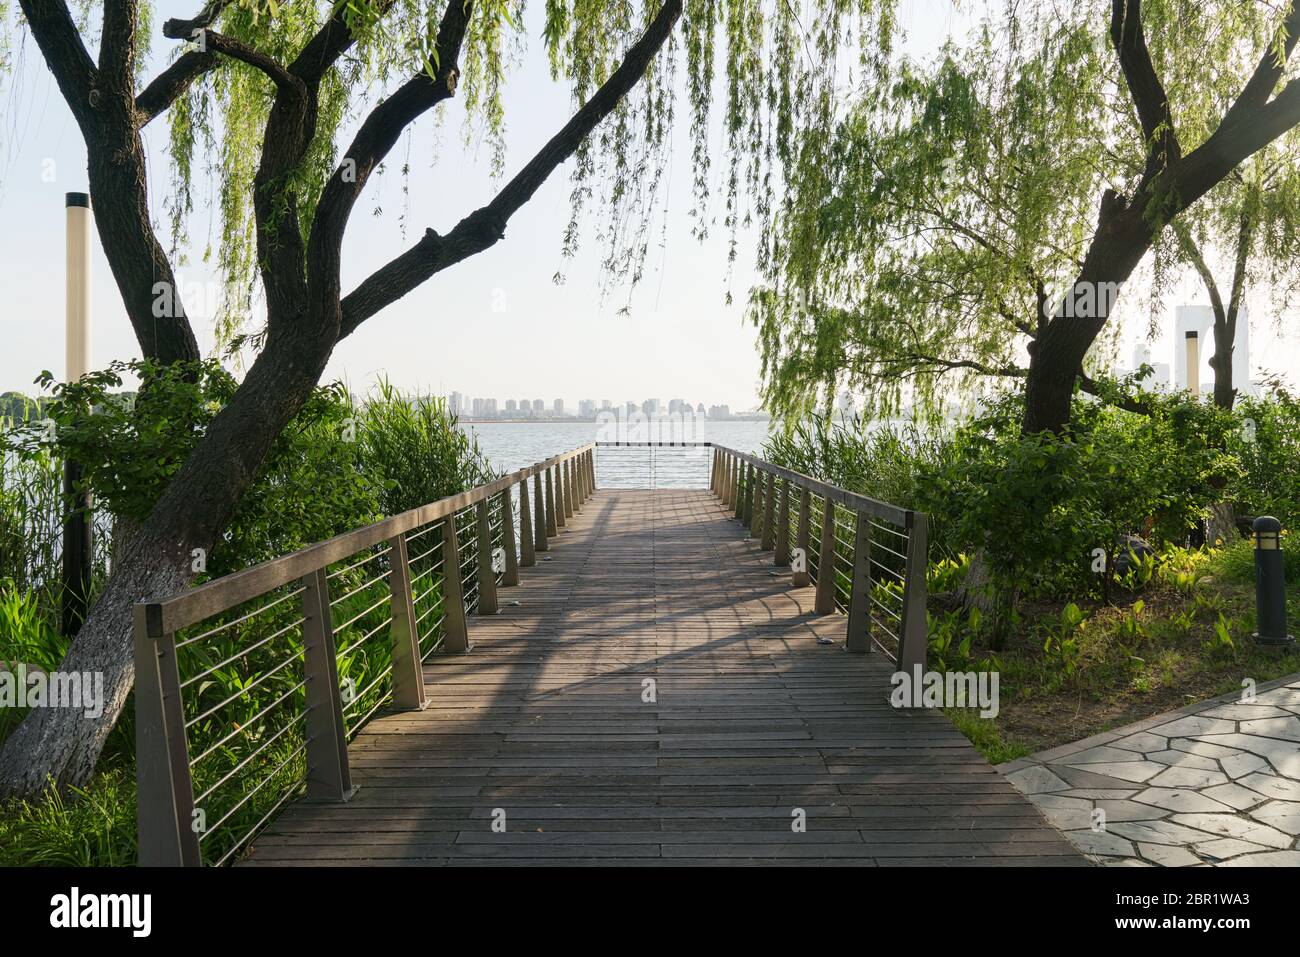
[{"x": 495, "y": 325}]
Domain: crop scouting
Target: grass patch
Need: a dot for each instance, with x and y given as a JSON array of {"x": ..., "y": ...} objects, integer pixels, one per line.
[
  {"x": 91, "y": 827},
  {"x": 985, "y": 735},
  {"x": 1181, "y": 637}
]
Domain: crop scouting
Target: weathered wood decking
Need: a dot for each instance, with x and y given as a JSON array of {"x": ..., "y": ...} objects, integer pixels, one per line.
[{"x": 544, "y": 722}]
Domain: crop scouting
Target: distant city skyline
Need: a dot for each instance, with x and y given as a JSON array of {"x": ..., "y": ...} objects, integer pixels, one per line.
[{"x": 468, "y": 406}]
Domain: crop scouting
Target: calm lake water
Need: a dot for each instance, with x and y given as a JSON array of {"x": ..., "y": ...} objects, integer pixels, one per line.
[{"x": 513, "y": 445}]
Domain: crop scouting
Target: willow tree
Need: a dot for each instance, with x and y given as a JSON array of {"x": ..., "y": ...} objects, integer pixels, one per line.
[
  {"x": 1247, "y": 232},
  {"x": 299, "y": 102},
  {"x": 917, "y": 245},
  {"x": 956, "y": 259}
]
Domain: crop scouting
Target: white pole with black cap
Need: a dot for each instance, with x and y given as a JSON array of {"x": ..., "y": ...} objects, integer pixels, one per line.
[{"x": 78, "y": 546}]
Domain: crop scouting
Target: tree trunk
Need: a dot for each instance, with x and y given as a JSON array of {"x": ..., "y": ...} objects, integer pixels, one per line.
[
  {"x": 61, "y": 746},
  {"x": 1225, "y": 394},
  {"x": 1056, "y": 356},
  {"x": 58, "y": 747}
]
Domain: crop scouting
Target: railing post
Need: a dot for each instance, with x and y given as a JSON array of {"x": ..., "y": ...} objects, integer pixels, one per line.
[
  {"x": 569, "y": 504},
  {"x": 801, "y": 579},
  {"x": 825, "y": 603},
  {"x": 559, "y": 497},
  {"x": 328, "y": 777},
  {"x": 539, "y": 515},
  {"x": 527, "y": 554},
  {"x": 552, "y": 525},
  {"x": 782, "y": 557},
  {"x": 754, "y": 509},
  {"x": 579, "y": 481},
  {"x": 164, "y": 789},
  {"x": 591, "y": 467},
  {"x": 859, "y": 633},
  {"x": 733, "y": 485},
  {"x": 487, "y": 578},
  {"x": 741, "y": 485},
  {"x": 914, "y": 636},
  {"x": 453, "y": 595},
  {"x": 714, "y": 482},
  {"x": 769, "y": 513},
  {"x": 511, "y": 574},
  {"x": 408, "y": 675}
]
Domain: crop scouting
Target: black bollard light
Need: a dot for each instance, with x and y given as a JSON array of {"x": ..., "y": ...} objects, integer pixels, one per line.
[{"x": 1270, "y": 585}]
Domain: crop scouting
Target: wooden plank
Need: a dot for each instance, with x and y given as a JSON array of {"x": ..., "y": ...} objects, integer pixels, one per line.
[{"x": 661, "y": 697}]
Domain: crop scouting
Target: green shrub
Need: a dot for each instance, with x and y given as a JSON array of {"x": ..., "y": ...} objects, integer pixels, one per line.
[
  {"x": 1267, "y": 443},
  {"x": 412, "y": 451}
]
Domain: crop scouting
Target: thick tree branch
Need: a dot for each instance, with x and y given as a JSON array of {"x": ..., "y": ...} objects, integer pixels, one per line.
[
  {"x": 329, "y": 43},
  {"x": 117, "y": 45},
  {"x": 1264, "y": 80},
  {"x": 209, "y": 39},
  {"x": 377, "y": 135},
  {"x": 485, "y": 226},
  {"x": 176, "y": 79},
  {"x": 184, "y": 29},
  {"x": 168, "y": 85},
  {"x": 1129, "y": 39},
  {"x": 56, "y": 34}
]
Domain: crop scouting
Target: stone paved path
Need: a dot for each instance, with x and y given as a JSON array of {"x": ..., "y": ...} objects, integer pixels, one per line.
[{"x": 1212, "y": 784}]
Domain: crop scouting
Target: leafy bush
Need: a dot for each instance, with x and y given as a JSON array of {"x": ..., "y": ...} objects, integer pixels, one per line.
[
  {"x": 1047, "y": 514},
  {"x": 1267, "y": 443}
]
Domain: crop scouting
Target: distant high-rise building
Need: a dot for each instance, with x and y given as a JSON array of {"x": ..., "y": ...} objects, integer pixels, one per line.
[
  {"x": 631, "y": 407},
  {"x": 699, "y": 410},
  {"x": 455, "y": 403},
  {"x": 511, "y": 407},
  {"x": 674, "y": 406},
  {"x": 559, "y": 407},
  {"x": 586, "y": 407},
  {"x": 605, "y": 405},
  {"x": 719, "y": 412},
  {"x": 524, "y": 406},
  {"x": 650, "y": 407},
  {"x": 539, "y": 406}
]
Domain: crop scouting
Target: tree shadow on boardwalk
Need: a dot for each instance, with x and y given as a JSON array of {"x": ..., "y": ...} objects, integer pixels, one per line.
[{"x": 658, "y": 696}]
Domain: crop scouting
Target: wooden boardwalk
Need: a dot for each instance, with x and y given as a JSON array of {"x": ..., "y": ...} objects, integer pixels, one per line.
[{"x": 653, "y": 693}]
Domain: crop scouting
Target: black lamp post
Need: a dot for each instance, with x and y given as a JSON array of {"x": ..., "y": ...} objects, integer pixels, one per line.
[{"x": 1270, "y": 585}]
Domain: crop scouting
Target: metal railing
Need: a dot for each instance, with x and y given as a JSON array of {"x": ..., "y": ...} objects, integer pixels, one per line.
[
  {"x": 249, "y": 687},
  {"x": 651, "y": 465},
  {"x": 870, "y": 559}
]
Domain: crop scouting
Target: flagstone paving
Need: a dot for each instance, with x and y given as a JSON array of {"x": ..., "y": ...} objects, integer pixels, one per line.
[{"x": 1213, "y": 784}]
